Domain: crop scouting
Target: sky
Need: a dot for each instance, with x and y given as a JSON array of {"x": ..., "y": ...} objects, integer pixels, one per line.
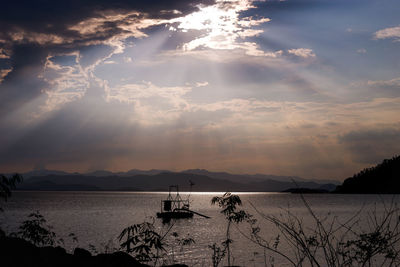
[{"x": 297, "y": 87}]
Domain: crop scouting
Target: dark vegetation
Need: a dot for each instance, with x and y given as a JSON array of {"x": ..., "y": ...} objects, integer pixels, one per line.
[
  {"x": 228, "y": 204},
  {"x": 18, "y": 252},
  {"x": 381, "y": 179},
  {"x": 6, "y": 185}
]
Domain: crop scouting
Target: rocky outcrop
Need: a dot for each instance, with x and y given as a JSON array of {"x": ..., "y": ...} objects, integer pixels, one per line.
[{"x": 17, "y": 252}]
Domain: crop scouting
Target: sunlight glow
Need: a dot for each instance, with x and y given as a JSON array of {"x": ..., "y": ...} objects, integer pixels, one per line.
[{"x": 222, "y": 26}]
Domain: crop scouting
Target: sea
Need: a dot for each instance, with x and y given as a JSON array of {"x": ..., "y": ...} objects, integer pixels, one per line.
[{"x": 97, "y": 218}]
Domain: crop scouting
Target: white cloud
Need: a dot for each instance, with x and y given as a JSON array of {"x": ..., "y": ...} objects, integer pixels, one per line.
[
  {"x": 153, "y": 104},
  {"x": 251, "y": 54},
  {"x": 362, "y": 51},
  {"x": 201, "y": 84},
  {"x": 130, "y": 22},
  {"x": 127, "y": 59},
  {"x": 66, "y": 83},
  {"x": 94, "y": 30},
  {"x": 385, "y": 83},
  {"x": 302, "y": 52},
  {"x": 20, "y": 36},
  {"x": 392, "y": 32},
  {"x": 223, "y": 27},
  {"x": 276, "y": 115},
  {"x": 109, "y": 62}
]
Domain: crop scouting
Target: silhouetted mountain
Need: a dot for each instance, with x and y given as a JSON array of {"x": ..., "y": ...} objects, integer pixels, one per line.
[
  {"x": 247, "y": 178},
  {"x": 137, "y": 172},
  {"x": 278, "y": 186},
  {"x": 328, "y": 187},
  {"x": 99, "y": 173},
  {"x": 381, "y": 179},
  {"x": 47, "y": 185},
  {"x": 224, "y": 175},
  {"x": 305, "y": 191},
  {"x": 43, "y": 172},
  {"x": 236, "y": 178},
  {"x": 158, "y": 182}
]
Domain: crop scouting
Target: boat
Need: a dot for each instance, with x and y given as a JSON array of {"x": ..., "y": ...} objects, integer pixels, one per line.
[{"x": 176, "y": 207}]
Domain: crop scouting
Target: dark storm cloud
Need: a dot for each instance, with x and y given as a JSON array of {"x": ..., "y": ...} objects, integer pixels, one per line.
[
  {"x": 49, "y": 22},
  {"x": 371, "y": 146},
  {"x": 53, "y": 16}
]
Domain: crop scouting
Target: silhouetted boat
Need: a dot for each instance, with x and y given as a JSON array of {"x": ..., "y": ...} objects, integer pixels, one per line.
[{"x": 176, "y": 207}]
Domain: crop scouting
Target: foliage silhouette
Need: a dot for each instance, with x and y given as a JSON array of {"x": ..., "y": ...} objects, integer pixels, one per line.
[
  {"x": 228, "y": 203},
  {"x": 36, "y": 231},
  {"x": 329, "y": 242},
  {"x": 6, "y": 185},
  {"x": 142, "y": 240},
  {"x": 218, "y": 254}
]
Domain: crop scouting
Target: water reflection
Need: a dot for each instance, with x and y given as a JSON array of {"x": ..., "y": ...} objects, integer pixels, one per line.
[{"x": 98, "y": 217}]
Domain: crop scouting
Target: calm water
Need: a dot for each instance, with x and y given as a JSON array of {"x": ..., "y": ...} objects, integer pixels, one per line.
[{"x": 97, "y": 218}]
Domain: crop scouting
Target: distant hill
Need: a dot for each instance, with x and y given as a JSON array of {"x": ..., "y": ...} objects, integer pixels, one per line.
[
  {"x": 306, "y": 191},
  {"x": 236, "y": 178},
  {"x": 43, "y": 172},
  {"x": 157, "y": 182},
  {"x": 384, "y": 178},
  {"x": 246, "y": 178}
]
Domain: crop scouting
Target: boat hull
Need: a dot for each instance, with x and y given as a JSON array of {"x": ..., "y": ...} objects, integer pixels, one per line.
[{"x": 174, "y": 215}]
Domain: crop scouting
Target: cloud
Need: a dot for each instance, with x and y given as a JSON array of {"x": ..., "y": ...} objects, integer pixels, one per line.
[
  {"x": 75, "y": 29},
  {"x": 201, "y": 84},
  {"x": 222, "y": 27},
  {"x": 3, "y": 74},
  {"x": 372, "y": 145},
  {"x": 179, "y": 84},
  {"x": 3, "y": 53},
  {"x": 362, "y": 51},
  {"x": 65, "y": 83},
  {"x": 22, "y": 85},
  {"x": 388, "y": 33},
  {"x": 302, "y": 52},
  {"x": 157, "y": 126},
  {"x": 71, "y": 25},
  {"x": 385, "y": 83},
  {"x": 97, "y": 24},
  {"x": 378, "y": 88},
  {"x": 57, "y": 17},
  {"x": 152, "y": 104},
  {"x": 127, "y": 59},
  {"x": 247, "y": 53}
]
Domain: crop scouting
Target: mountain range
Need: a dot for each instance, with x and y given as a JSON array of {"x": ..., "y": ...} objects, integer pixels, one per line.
[{"x": 160, "y": 180}]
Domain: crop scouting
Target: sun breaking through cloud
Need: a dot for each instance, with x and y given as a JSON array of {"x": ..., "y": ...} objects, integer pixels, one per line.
[{"x": 279, "y": 87}]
